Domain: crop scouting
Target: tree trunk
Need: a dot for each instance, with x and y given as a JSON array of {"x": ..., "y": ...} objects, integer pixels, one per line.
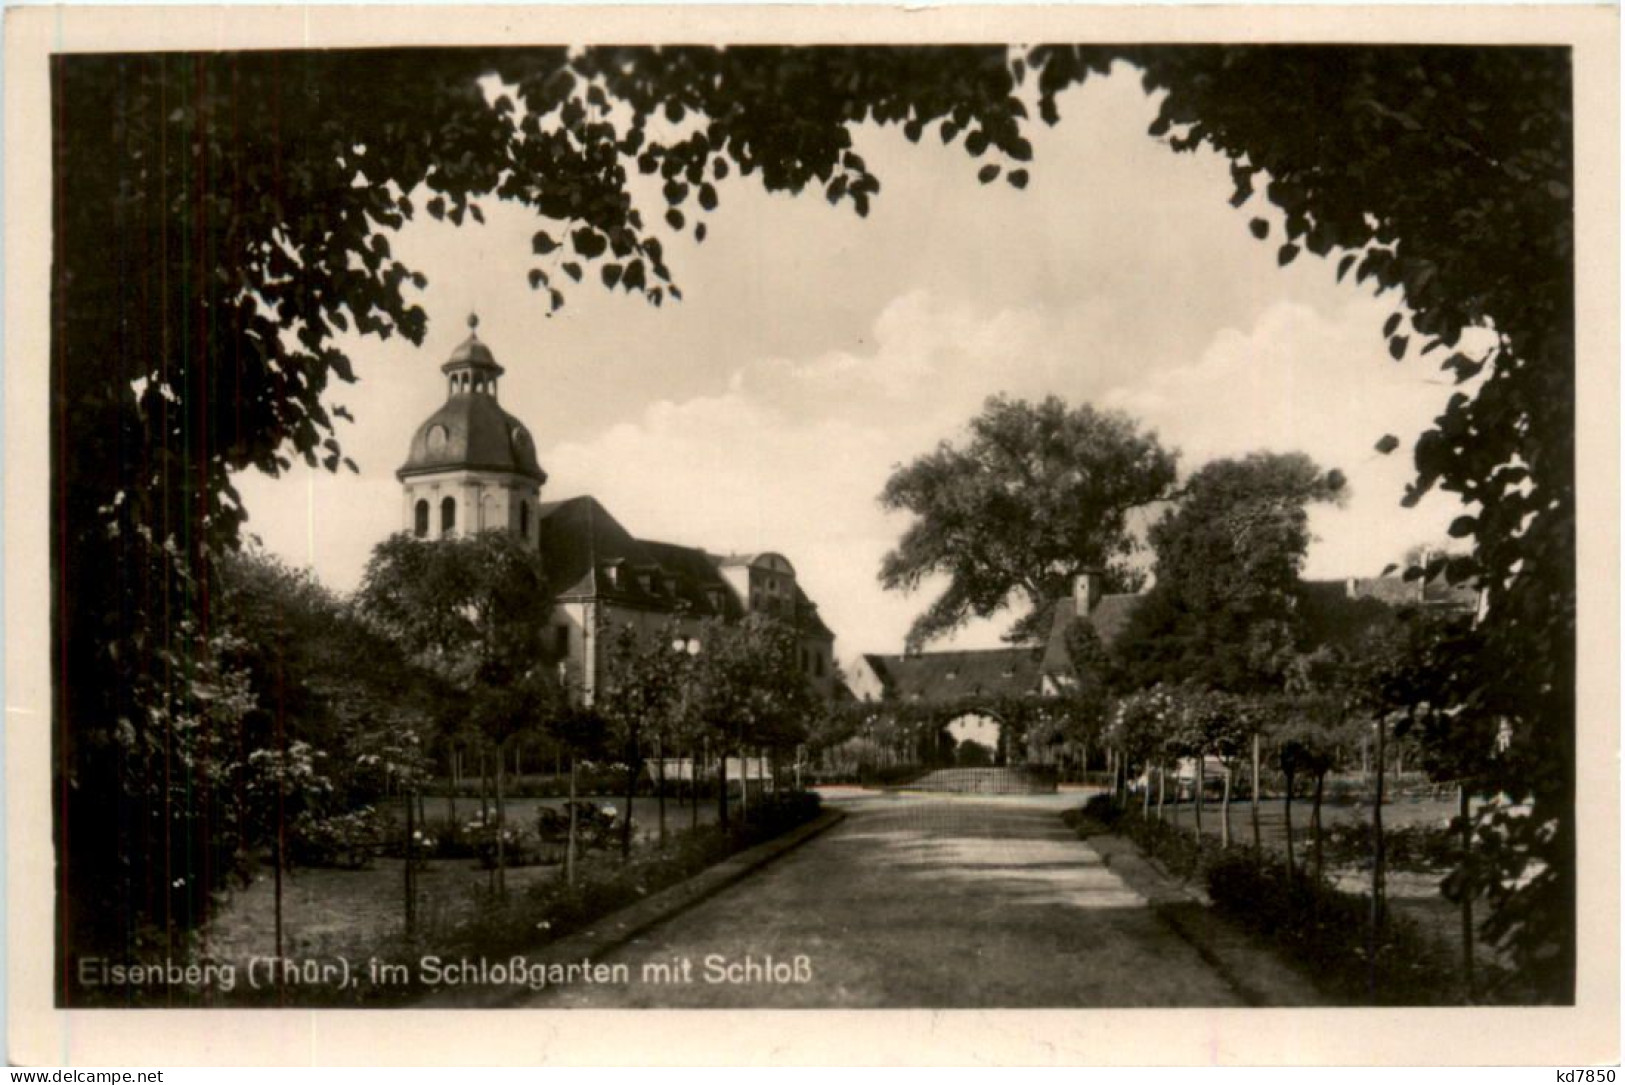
[
  {"x": 281, "y": 849},
  {"x": 1314, "y": 822},
  {"x": 660, "y": 786},
  {"x": 633, "y": 766},
  {"x": 1464, "y": 810},
  {"x": 1162, "y": 788},
  {"x": 485, "y": 779},
  {"x": 744, "y": 783},
  {"x": 1145, "y": 795},
  {"x": 456, "y": 781},
  {"x": 695, "y": 765},
  {"x": 1291, "y": 864},
  {"x": 407, "y": 887},
  {"x": 502, "y": 854},
  {"x": 1200, "y": 780},
  {"x": 570, "y": 834},
  {"x": 1379, "y": 857},
  {"x": 722, "y": 787},
  {"x": 1378, "y": 860},
  {"x": 1258, "y": 833},
  {"x": 1224, "y": 828}
]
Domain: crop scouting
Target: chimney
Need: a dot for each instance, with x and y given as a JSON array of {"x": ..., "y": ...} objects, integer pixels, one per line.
[{"x": 1086, "y": 589}]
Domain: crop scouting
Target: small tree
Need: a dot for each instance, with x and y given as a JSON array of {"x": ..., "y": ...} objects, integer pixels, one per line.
[
  {"x": 748, "y": 690},
  {"x": 1138, "y": 732},
  {"x": 642, "y": 692},
  {"x": 1311, "y": 741},
  {"x": 472, "y": 609}
]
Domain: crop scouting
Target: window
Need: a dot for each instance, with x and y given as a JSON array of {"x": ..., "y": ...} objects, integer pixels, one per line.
[
  {"x": 420, "y": 519},
  {"x": 806, "y": 661},
  {"x": 524, "y": 519},
  {"x": 448, "y": 515},
  {"x": 561, "y": 641},
  {"x": 818, "y": 664}
]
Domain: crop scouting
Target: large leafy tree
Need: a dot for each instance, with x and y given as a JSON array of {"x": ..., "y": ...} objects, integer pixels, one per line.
[
  {"x": 1224, "y": 612},
  {"x": 217, "y": 217},
  {"x": 1039, "y": 493}
]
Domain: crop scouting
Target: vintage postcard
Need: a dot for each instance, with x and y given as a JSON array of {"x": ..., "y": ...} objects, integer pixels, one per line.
[{"x": 1021, "y": 535}]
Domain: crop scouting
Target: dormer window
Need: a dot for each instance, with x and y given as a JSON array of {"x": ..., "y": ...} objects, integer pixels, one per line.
[{"x": 646, "y": 583}]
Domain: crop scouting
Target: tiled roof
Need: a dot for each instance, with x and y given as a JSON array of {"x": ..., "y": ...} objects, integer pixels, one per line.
[
  {"x": 948, "y": 676},
  {"x": 1396, "y": 591},
  {"x": 1109, "y": 617},
  {"x": 1057, "y": 660},
  {"x": 579, "y": 537}
]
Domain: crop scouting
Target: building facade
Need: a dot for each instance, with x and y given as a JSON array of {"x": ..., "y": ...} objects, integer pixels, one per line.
[{"x": 472, "y": 467}]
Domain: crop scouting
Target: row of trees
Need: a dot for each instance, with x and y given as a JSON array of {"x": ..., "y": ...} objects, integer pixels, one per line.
[
  {"x": 1229, "y": 655},
  {"x": 200, "y": 283},
  {"x": 315, "y": 710}
]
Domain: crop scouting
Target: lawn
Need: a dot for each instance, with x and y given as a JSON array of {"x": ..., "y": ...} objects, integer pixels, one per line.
[
  {"x": 1411, "y": 893},
  {"x": 357, "y": 914}
]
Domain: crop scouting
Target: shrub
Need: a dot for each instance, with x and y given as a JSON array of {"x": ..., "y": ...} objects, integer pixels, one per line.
[
  {"x": 596, "y": 826},
  {"x": 1099, "y": 808},
  {"x": 781, "y": 811},
  {"x": 1174, "y": 847},
  {"x": 518, "y": 847},
  {"x": 1330, "y": 931},
  {"x": 888, "y": 775},
  {"x": 550, "y": 909},
  {"x": 347, "y": 840}
]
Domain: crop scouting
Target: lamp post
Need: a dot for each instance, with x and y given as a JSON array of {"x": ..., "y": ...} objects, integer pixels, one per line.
[{"x": 682, "y": 645}]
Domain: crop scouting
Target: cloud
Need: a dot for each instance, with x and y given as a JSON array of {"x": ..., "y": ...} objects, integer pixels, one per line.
[
  {"x": 1298, "y": 380},
  {"x": 793, "y": 454}
]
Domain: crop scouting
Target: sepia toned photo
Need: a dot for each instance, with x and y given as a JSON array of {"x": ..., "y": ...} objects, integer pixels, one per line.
[{"x": 1012, "y": 522}]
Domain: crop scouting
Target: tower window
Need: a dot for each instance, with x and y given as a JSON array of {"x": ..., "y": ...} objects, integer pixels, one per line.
[
  {"x": 448, "y": 515},
  {"x": 524, "y": 519},
  {"x": 420, "y": 518}
]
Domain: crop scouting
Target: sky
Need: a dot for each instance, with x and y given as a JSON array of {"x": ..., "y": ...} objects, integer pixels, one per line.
[{"x": 815, "y": 351}]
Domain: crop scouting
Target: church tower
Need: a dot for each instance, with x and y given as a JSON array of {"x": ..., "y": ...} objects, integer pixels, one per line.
[{"x": 472, "y": 466}]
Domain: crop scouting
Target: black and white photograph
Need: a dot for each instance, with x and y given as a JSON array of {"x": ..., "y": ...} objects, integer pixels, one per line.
[{"x": 757, "y": 521}]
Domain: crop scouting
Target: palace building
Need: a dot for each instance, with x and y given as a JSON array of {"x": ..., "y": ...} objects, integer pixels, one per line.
[{"x": 472, "y": 467}]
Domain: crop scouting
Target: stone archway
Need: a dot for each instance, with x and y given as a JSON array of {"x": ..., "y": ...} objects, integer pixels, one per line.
[{"x": 977, "y": 728}]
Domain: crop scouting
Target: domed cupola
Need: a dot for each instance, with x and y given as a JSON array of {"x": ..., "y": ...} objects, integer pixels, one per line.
[
  {"x": 471, "y": 430},
  {"x": 471, "y": 464}
]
